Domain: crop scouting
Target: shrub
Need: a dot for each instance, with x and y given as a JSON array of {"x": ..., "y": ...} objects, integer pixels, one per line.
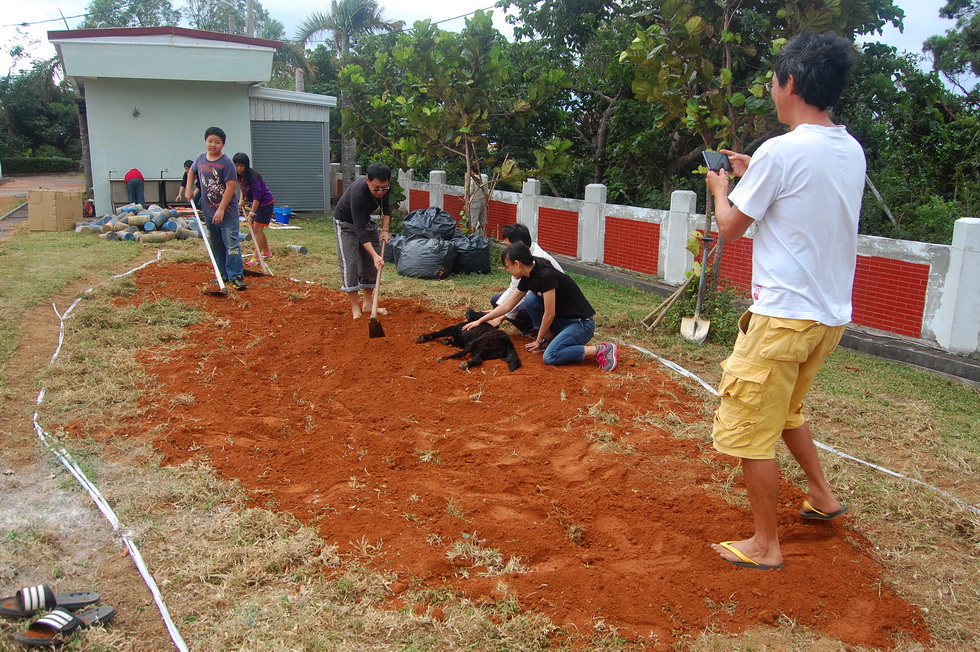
[
  {"x": 49, "y": 165},
  {"x": 722, "y": 306}
]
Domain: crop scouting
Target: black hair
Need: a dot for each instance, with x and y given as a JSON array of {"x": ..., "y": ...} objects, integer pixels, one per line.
[
  {"x": 517, "y": 232},
  {"x": 216, "y": 131},
  {"x": 378, "y": 172},
  {"x": 249, "y": 174},
  {"x": 819, "y": 64},
  {"x": 517, "y": 252},
  {"x": 188, "y": 163}
]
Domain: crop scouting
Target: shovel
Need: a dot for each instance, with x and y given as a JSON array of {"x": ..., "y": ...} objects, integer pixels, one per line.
[
  {"x": 657, "y": 315},
  {"x": 695, "y": 329},
  {"x": 374, "y": 325},
  {"x": 207, "y": 245}
]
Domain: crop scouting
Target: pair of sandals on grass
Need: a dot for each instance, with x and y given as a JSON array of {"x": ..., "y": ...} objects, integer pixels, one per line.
[{"x": 67, "y": 613}]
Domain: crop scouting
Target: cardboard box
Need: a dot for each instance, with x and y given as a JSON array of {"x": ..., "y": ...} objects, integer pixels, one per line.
[{"x": 54, "y": 210}]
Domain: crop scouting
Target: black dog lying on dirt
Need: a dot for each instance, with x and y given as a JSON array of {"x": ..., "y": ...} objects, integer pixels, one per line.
[{"x": 484, "y": 342}]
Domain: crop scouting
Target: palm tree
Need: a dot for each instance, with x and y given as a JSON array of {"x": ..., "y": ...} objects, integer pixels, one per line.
[{"x": 346, "y": 21}]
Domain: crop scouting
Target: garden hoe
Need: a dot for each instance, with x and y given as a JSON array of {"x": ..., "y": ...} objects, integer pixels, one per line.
[
  {"x": 374, "y": 325},
  {"x": 209, "y": 288},
  {"x": 258, "y": 255}
]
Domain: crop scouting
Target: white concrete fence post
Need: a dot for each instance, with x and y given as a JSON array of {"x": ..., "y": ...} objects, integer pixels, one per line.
[
  {"x": 592, "y": 224},
  {"x": 527, "y": 206},
  {"x": 675, "y": 260},
  {"x": 958, "y": 326},
  {"x": 437, "y": 189},
  {"x": 405, "y": 179}
]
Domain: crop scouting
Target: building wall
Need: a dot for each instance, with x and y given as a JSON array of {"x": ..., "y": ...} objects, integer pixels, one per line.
[{"x": 168, "y": 130}]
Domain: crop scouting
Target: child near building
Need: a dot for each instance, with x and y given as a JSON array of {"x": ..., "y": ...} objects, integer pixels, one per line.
[
  {"x": 259, "y": 202},
  {"x": 218, "y": 182}
]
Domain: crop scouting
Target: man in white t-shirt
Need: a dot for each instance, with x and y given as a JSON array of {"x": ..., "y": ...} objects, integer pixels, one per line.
[
  {"x": 803, "y": 190},
  {"x": 520, "y": 316}
]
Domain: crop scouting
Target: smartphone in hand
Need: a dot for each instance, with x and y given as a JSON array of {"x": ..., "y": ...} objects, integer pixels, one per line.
[{"x": 717, "y": 161}]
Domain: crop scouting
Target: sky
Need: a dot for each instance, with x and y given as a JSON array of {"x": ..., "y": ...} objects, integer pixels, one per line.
[{"x": 921, "y": 19}]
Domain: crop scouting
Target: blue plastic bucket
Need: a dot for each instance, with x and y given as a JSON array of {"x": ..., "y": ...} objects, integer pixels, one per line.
[{"x": 282, "y": 214}]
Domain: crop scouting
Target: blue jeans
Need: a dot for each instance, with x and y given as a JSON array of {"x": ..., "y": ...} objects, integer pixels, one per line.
[
  {"x": 534, "y": 306},
  {"x": 134, "y": 190},
  {"x": 569, "y": 335},
  {"x": 522, "y": 320},
  {"x": 226, "y": 247}
]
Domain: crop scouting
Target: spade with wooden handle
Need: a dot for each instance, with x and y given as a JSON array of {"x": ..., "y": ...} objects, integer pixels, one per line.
[{"x": 374, "y": 325}]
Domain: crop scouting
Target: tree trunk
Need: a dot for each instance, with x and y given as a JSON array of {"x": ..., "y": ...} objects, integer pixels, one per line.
[
  {"x": 478, "y": 207},
  {"x": 348, "y": 159},
  {"x": 602, "y": 138},
  {"x": 348, "y": 149},
  {"x": 82, "y": 113}
]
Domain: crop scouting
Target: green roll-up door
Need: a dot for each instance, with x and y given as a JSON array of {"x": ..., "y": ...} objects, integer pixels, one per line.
[{"x": 292, "y": 158}]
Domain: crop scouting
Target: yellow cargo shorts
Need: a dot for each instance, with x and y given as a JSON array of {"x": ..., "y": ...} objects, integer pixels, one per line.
[{"x": 765, "y": 380}]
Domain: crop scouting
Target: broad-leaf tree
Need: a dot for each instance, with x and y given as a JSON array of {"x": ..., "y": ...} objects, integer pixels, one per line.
[
  {"x": 584, "y": 38},
  {"x": 231, "y": 17},
  {"x": 130, "y": 13},
  {"x": 704, "y": 62},
  {"x": 920, "y": 141},
  {"x": 39, "y": 114},
  {"x": 346, "y": 22},
  {"x": 956, "y": 54},
  {"x": 438, "y": 94}
]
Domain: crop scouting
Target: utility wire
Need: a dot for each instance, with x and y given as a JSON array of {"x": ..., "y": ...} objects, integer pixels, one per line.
[
  {"x": 410, "y": 29},
  {"x": 47, "y": 20},
  {"x": 86, "y": 15}
]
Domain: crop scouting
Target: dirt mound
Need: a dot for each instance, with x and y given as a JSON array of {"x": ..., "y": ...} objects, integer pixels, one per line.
[{"x": 562, "y": 486}]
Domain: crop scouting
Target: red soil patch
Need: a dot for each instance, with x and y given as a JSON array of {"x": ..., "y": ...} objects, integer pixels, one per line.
[{"x": 372, "y": 440}]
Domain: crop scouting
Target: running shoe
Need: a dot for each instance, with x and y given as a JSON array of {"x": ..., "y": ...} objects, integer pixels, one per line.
[{"x": 606, "y": 356}]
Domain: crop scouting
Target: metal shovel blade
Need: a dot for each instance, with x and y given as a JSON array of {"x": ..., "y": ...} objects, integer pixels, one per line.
[
  {"x": 695, "y": 329},
  {"x": 375, "y": 329}
]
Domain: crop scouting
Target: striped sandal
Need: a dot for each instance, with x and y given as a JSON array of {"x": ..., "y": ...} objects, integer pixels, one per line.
[
  {"x": 30, "y": 600},
  {"x": 57, "y": 626}
]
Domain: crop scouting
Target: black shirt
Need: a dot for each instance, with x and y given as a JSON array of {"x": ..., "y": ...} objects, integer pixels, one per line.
[
  {"x": 570, "y": 303},
  {"x": 356, "y": 206}
]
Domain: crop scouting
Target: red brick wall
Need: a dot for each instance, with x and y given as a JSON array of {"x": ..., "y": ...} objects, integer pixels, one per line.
[
  {"x": 558, "y": 231},
  {"x": 632, "y": 245},
  {"x": 736, "y": 263},
  {"x": 418, "y": 199},
  {"x": 453, "y": 205},
  {"x": 499, "y": 215},
  {"x": 890, "y": 294}
]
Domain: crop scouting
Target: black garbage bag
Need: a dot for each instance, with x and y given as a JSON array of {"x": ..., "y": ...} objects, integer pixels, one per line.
[
  {"x": 472, "y": 254},
  {"x": 424, "y": 257},
  {"x": 393, "y": 248},
  {"x": 433, "y": 222}
]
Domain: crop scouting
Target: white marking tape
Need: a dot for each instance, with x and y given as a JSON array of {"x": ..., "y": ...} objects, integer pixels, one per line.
[{"x": 69, "y": 463}]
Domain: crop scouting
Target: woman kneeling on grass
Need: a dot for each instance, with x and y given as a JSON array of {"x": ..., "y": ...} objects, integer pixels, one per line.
[{"x": 566, "y": 316}]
